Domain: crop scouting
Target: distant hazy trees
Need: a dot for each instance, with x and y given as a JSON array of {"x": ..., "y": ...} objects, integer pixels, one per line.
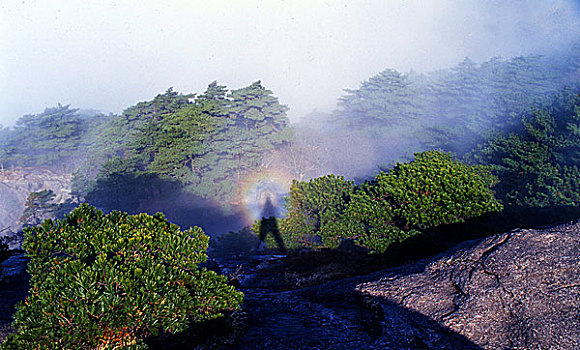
[
  {"x": 56, "y": 138},
  {"x": 453, "y": 109},
  {"x": 386, "y": 98}
]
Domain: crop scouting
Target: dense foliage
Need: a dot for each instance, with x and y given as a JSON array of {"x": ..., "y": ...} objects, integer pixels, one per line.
[
  {"x": 207, "y": 143},
  {"x": 539, "y": 163},
  {"x": 453, "y": 109},
  {"x": 108, "y": 281},
  {"x": 430, "y": 191},
  {"x": 56, "y": 138},
  {"x": 392, "y": 114},
  {"x": 37, "y": 205},
  {"x": 313, "y": 208}
]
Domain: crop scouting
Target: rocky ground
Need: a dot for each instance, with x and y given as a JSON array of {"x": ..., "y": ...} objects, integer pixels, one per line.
[
  {"x": 514, "y": 290},
  {"x": 517, "y": 290}
]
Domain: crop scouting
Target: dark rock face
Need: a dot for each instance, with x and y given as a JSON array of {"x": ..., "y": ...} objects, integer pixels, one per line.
[
  {"x": 13, "y": 288},
  {"x": 333, "y": 316},
  {"x": 517, "y": 290}
]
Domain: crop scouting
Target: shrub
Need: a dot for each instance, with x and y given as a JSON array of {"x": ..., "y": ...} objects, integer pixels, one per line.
[
  {"x": 312, "y": 208},
  {"x": 109, "y": 281},
  {"x": 430, "y": 191}
]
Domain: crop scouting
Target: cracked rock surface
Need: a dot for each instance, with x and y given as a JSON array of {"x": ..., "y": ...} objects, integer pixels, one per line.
[{"x": 517, "y": 290}]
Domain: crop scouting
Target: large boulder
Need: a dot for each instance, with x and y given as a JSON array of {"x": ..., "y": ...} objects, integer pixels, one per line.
[{"x": 517, "y": 290}]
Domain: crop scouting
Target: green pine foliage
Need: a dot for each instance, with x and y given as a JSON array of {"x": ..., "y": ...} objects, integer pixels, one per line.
[
  {"x": 37, "y": 205},
  {"x": 109, "y": 281},
  {"x": 539, "y": 163},
  {"x": 207, "y": 143},
  {"x": 129, "y": 138},
  {"x": 248, "y": 126},
  {"x": 56, "y": 138},
  {"x": 313, "y": 207},
  {"x": 430, "y": 191},
  {"x": 386, "y": 98}
]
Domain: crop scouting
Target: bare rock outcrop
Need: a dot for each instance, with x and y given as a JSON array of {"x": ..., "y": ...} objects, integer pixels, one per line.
[
  {"x": 15, "y": 186},
  {"x": 516, "y": 290}
]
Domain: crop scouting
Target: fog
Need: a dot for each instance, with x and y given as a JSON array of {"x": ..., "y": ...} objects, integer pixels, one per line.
[{"x": 108, "y": 55}]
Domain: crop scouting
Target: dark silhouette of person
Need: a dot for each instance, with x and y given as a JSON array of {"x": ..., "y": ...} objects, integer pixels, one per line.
[{"x": 269, "y": 225}]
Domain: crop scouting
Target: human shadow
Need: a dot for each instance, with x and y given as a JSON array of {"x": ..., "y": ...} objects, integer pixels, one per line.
[
  {"x": 333, "y": 315},
  {"x": 269, "y": 225},
  {"x": 336, "y": 315}
]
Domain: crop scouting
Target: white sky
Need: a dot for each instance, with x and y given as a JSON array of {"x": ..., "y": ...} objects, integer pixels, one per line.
[{"x": 109, "y": 55}]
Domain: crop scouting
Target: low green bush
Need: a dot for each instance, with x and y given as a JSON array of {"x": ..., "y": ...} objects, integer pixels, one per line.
[
  {"x": 312, "y": 209},
  {"x": 430, "y": 191},
  {"x": 110, "y": 281}
]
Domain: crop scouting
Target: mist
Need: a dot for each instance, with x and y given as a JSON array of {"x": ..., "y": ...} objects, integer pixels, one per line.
[
  {"x": 108, "y": 55},
  {"x": 329, "y": 62}
]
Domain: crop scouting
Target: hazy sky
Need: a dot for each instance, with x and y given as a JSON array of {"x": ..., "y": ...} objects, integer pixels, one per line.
[{"x": 109, "y": 55}]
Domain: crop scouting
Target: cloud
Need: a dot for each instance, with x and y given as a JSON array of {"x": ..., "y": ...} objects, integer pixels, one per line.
[{"x": 109, "y": 55}]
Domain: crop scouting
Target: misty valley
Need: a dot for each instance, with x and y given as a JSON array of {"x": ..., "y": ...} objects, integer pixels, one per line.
[{"x": 208, "y": 220}]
